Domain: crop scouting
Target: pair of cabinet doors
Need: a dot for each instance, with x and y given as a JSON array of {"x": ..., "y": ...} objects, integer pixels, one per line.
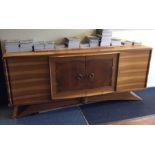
[{"x": 82, "y": 76}]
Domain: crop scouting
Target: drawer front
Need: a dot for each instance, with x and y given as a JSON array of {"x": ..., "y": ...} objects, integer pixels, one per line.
[
  {"x": 133, "y": 70},
  {"x": 29, "y": 80}
]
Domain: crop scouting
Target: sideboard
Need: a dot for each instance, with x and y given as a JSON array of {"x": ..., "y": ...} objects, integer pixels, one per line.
[{"x": 49, "y": 79}]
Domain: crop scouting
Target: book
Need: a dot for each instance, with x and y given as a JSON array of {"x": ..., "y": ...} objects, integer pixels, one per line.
[
  {"x": 59, "y": 46},
  {"x": 12, "y": 49},
  {"x": 84, "y": 45},
  {"x": 11, "y": 43},
  {"x": 72, "y": 42},
  {"x": 93, "y": 41},
  {"x": 105, "y": 43},
  {"x": 127, "y": 43},
  {"x": 104, "y": 32},
  {"x": 116, "y": 42},
  {"x": 39, "y": 45},
  {"x": 49, "y": 45}
]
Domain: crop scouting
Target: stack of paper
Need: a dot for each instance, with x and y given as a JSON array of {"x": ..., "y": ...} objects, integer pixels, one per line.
[
  {"x": 26, "y": 45},
  {"x": 104, "y": 32},
  {"x": 59, "y": 46},
  {"x": 84, "y": 45},
  {"x": 116, "y": 42},
  {"x": 39, "y": 45},
  {"x": 125, "y": 43},
  {"x": 105, "y": 36},
  {"x": 49, "y": 45},
  {"x": 136, "y": 43},
  {"x": 105, "y": 43},
  {"x": 72, "y": 42},
  {"x": 11, "y": 45},
  {"x": 93, "y": 41}
]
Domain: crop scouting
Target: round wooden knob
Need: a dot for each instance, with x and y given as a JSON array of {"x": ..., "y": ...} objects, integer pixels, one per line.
[
  {"x": 91, "y": 76},
  {"x": 79, "y": 77}
]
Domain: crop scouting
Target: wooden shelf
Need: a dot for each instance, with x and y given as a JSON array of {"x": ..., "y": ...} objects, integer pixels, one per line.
[{"x": 74, "y": 51}]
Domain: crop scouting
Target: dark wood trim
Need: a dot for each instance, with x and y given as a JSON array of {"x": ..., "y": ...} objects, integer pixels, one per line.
[
  {"x": 131, "y": 96},
  {"x": 148, "y": 66},
  {"x": 35, "y": 108},
  {"x": 116, "y": 70},
  {"x": 7, "y": 81},
  {"x": 30, "y": 109},
  {"x": 14, "y": 112}
]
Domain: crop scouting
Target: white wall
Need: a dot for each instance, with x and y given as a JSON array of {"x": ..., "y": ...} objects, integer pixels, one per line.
[
  {"x": 147, "y": 37},
  {"x": 43, "y": 34}
]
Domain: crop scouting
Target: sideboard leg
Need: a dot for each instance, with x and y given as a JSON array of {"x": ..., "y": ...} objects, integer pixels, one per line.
[
  {"x": 83, "y": 100},
  {"x": 15, "y": 112},
  {"x": 135, "y": 97},
  {"x": 124, "y": 96}
]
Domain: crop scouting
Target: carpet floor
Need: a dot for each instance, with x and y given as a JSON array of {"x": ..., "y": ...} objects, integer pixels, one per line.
[
  {"x": 106, "y": 112},
  {"x": 93, "y": 114}
]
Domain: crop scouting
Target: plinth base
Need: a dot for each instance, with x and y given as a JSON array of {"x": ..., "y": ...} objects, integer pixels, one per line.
[{"x": 18, "y": 111}]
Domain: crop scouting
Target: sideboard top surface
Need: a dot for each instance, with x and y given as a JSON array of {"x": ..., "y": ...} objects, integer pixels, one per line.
[{"x": 76, "y": 51}]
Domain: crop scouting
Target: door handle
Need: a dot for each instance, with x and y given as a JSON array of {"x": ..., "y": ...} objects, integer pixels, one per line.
[
  {"x": 79, "y": 77},
  {"x": 91, "y": 76}
]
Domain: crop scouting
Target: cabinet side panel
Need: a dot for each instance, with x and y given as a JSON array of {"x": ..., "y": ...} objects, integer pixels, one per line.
[
  {"x": 29, "y": 80},
  {"x": 133, "y": 70}
]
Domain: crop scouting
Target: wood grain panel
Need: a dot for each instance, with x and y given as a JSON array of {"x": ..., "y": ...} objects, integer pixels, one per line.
[
  {"x": 133, "y": 70},
  {"x": 23, "y": 92},
  {"x": 29, "y": 80},
  {"x": 132, "y": 86},
  {"x": 31, "y": 99},
  {"x": 27, "y": 68},
  {"x": 104, "y": 71},
  {"x": 28, "y": 60},
  {"x": 29, "y": 75},
  {"x": 38, "y": 84},
  {"x": 67, "y": 77},
  {"x": 133, "y": 63}
]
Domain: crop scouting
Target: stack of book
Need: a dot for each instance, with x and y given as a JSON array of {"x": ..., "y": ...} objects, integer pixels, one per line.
[
  {"x": 59, "y": 46},
  {"x": 126, "y": 43},
  {"x": 72, "y": 42},
  {"x": 84, "y": 45},
  {"x": 137, "y": 43},
  {"x": 12, "y": 46},
  {"x": 26, "y": 45},
  {"x": 49, "y": 45},
  {"x": 39, "y": 45},
  {"x": 116, "y": 42},
  {"x": 105, "y": 36},
  {"x": 93, "y": 41}
]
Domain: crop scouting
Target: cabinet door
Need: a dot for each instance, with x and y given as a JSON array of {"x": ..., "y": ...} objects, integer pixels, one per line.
[
  {"x": 67, "y": 77},
  {"x": 101, "y": 73}
]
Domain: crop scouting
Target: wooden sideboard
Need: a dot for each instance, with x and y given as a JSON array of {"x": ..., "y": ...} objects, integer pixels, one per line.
[{"x": 43, "y": 80}]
